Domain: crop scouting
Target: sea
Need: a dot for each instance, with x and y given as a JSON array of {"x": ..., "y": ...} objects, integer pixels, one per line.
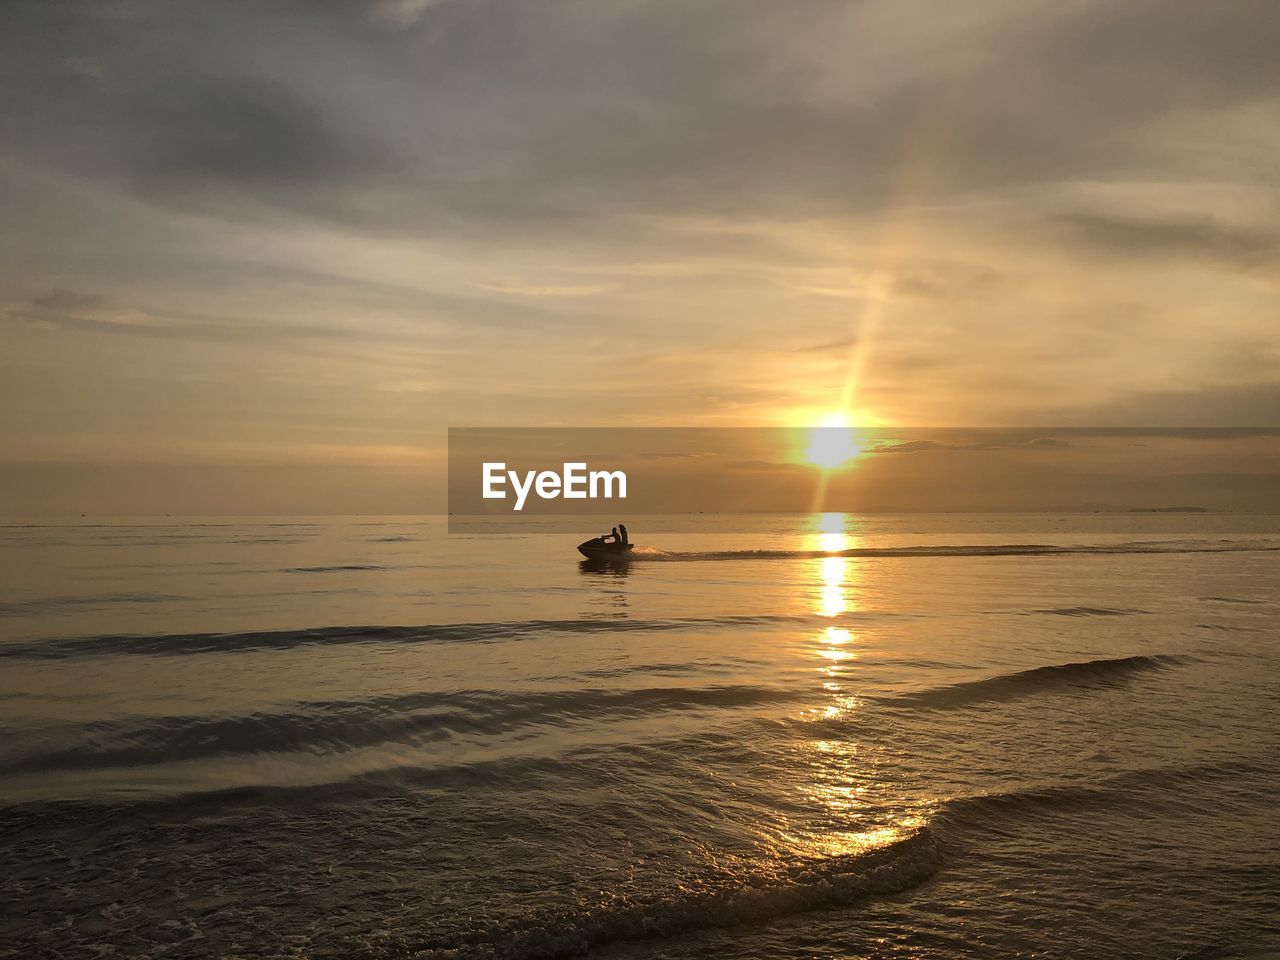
[{"x": 827, "y": 736}]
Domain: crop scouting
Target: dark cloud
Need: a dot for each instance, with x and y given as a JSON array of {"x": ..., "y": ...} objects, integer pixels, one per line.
[
  {"x": 1248, "y": 405},
  {"x": 77, "y": 311},
  {"x": 908, "y": 446},
  {"x": 1200, "y": 237},
  {"x": 59, "y": 302},
  {"x": 1016, "y": 441},
  {"x": 764, "y": 466},
  {"x": 1173, "y": 54},
  {"x": 982, "y": 440},
  {"x": 564, "y": 114},
  {"x": 243, "y": 133}
]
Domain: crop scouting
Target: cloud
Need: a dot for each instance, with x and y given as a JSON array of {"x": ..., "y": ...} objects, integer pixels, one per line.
[
  {"x": 60, "y": 302},
  {"x": 504, "y": 113},
  {"x": 1196, "y": 237},
  {"x": 540, "y": 290},
  {"x": 80, "y": 312},
  {"x": 209, "y": 140},
  {"x": 616, "y": 130},
  {"x": 908, "y": 446},
  {"x": 403, "y": 13},
  {"x": 645, "y": 211},
  {"x": 1047, "y": 442},
  {"x": 842, "y": 344},
  {"x": 1211, "y": 405},
  {"x": 985, "y": 440}
]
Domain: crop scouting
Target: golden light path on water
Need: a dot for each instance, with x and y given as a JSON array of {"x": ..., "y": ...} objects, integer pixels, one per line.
[{"x": 838, "y": 768}]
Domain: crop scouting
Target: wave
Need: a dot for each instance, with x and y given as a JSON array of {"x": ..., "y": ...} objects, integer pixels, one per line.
[
  {"x": 982, "y": 811},
  {"x": 333, "y": 727},
  {"x": 975, "y": 550},
  {"x": 336, "y": 568},
  {"x": 1093, "y": 611},
  {"x": 1024, "y": 683},
  {"x": 713, "y": 898},
  {"x": 715, "y": 902},
  {"x": 1219, "y": 952},
  {"x": 195, "y": 643},
  {"x": 21, "y": 607}
]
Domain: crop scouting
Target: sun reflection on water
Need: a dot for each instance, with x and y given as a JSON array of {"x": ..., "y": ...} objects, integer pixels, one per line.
[
  {"x": 834, "y": 570},
  {"x": 833, "y": 542},
  {"x": 838, "y": 786},
  {"x": 832, "y": 597},
  {"x": 843, "y": 843},
  {"x": 834, "y": 644}
]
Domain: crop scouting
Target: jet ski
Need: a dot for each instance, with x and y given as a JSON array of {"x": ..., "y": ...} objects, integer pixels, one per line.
[{"x": 597, "y": 549}]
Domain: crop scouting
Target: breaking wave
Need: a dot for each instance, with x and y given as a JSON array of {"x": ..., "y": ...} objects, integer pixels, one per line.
[{"x": 732, "y": 900}]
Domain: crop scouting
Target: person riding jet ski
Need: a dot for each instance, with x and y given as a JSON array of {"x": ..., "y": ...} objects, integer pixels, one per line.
[
  {"x": 617, "y": 536},
  {"x": 613, "y": 543}
]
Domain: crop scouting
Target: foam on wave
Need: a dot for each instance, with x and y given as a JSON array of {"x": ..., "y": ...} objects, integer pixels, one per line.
[{"x": 797, "y": 888}]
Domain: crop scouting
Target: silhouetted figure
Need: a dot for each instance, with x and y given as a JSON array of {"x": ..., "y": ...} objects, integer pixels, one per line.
[{"x": 613, "y": 545}]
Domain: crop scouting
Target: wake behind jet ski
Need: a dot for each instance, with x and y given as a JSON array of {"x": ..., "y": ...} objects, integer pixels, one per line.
[{"x": 614, "y": 545}]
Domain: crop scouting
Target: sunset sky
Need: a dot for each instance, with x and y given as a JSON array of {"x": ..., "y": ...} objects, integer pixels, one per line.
[{"x": 259, "y": 257}]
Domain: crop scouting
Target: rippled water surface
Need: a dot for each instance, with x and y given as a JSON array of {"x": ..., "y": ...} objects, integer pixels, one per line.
[{"x": 840, "y": 736}]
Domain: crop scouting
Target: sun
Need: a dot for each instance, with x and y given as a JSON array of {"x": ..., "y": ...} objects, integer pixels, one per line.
[{"x": 832, "y": 443}]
